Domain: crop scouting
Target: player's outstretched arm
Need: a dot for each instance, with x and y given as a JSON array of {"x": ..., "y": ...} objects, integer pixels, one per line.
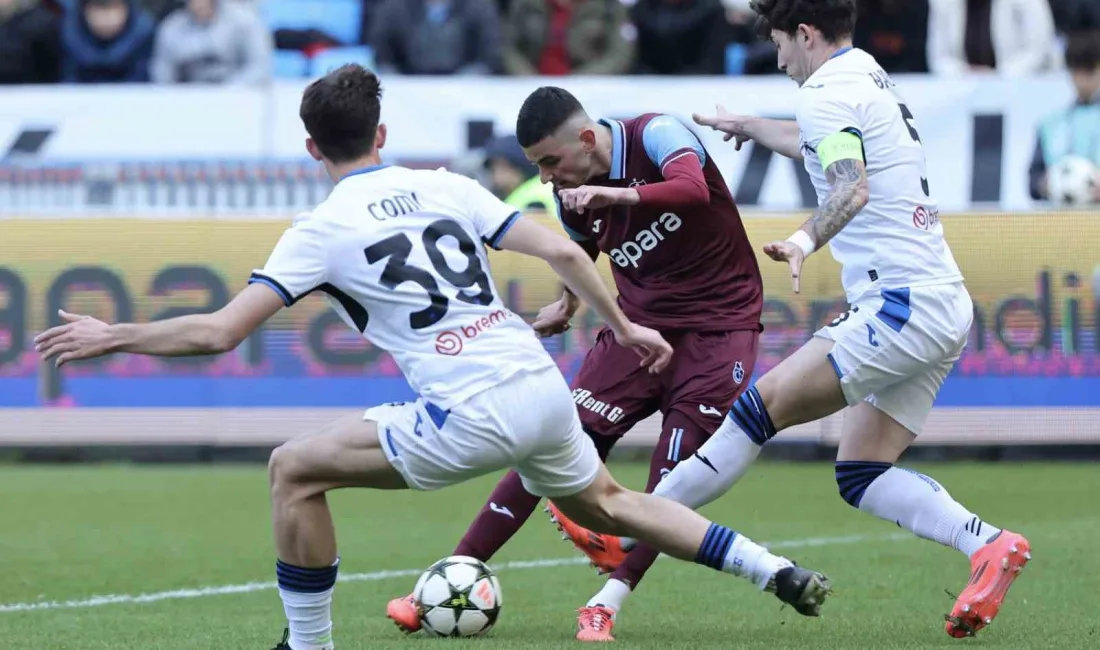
[
  {"x": 848, "y": 194},
  {"x": 781, "y": 136},
  {"x": 576, "y": 269},
  {"x": 84, "y": 337}
]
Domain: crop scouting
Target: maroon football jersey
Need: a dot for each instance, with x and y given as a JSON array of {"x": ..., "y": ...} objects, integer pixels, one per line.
[{"x": 690, "y": 269}]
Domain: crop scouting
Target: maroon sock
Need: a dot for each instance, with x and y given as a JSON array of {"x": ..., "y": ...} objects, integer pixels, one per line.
[
  {"x": 503, "y": 514},
  {"x": 680, "y": 438}
]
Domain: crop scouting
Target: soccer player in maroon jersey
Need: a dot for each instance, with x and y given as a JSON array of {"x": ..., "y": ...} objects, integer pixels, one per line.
[{"x": 644, "y": 192}]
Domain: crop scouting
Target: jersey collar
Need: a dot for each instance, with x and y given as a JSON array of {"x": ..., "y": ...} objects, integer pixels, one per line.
[
  {"x": 618, "y": 149},
  {"x": 365, "y": 170},
  {"x": 843, "y": 50}
]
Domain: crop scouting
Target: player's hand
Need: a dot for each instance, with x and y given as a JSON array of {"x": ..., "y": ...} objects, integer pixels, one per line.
[
  {"x": 785, "y": 251},
  {"x": 650, "y": 346},
  {"x": 554, "y": 318},
  {"x": 732, "y": 125},
  {"x": 80, "y": 337},
  {"x": 593, "y": 197}
]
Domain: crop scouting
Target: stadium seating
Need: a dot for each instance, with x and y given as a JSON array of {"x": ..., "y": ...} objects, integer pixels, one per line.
[
  {"x": 290, "y": 64},
  {"x": 328, "y": 59},
  {"x": 340, "y": 19}
]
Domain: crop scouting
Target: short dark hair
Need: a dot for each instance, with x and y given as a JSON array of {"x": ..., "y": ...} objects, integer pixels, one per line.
[
  {"x": 835, "y": 19},
  {"x": 1083, "y": 50},
  {"x": 340, "y": 112},
  {"x": 543, "y": 113}
]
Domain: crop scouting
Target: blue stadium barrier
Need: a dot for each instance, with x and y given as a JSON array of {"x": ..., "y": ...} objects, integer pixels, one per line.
[
  {"x": 340, "y": 19},
  {"x": 290, "y": 64},
  {"x": 736, "y": 56},
  {"x": 326, "y": 60}
]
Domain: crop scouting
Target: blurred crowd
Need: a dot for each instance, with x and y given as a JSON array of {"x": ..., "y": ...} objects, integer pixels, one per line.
[{"x": 240, "y": 41}]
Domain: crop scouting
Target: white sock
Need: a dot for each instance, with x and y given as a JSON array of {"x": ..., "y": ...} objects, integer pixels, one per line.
[
  {"x": 309, "y": 618},
  {"x": 613, "y": 594},
  {"x": 711, "y": 471},
  {"x": 916, "y": 502},
  {"x": 750, "y": 560},
  {"x": 307, "y": 601}
]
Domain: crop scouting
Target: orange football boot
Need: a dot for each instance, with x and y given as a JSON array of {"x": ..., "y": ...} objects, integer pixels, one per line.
[
  {"x": 606, "y": 552},
  {"x": 405, "y": 613},
  {"x": 993, "y": 569},
  {"x": 595, "y": 623}
]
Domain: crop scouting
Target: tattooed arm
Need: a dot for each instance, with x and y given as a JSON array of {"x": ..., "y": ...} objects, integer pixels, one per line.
[{"x": 847, "y": 196}]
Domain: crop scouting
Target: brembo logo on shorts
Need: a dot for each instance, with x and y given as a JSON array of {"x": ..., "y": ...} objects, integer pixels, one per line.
[
  {"x": 584, "y": 399},
  {"x": 451, "y": 342}
]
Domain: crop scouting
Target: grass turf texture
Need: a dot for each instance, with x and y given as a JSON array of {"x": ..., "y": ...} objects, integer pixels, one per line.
[{"x": 71, "y": 533}]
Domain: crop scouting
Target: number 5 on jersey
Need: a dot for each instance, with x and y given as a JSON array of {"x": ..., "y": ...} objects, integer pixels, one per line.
[{"x": 398, "y": 270}]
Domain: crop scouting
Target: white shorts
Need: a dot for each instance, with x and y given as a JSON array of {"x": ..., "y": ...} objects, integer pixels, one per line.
[
  {"x": 528, "y": 423},
  {"x": 895, "y": 349}
]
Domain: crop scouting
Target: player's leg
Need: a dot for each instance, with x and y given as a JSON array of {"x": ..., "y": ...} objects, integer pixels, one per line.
[
  {"x": 564, "y": 466},
  {"x": 677, "y": 531},
  {"x": 875, "y": 434},
  {"x": 709, "y": 370},
  {"x": 347, "y": 453},
  {"x": 612, "y": 393}
]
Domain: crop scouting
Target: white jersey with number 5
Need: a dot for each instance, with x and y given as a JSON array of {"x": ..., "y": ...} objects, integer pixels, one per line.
[
  {"x": 400, "y": 254},
  {"x": 897, "y": 239}
]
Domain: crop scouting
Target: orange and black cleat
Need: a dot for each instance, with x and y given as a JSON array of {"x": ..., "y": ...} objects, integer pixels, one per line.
[
  {"x": 993, "y": 569},
  {"x": 606, "y": 552},
  {"x": 405, "y": 613}
]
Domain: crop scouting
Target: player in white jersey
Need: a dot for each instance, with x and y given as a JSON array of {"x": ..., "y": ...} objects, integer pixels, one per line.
[
  {"x": 909, "y": 315},
  {"x": 401, "y": 256}
]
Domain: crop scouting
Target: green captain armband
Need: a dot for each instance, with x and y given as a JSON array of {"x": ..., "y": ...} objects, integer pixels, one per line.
[{"x": 842, "y": 145}]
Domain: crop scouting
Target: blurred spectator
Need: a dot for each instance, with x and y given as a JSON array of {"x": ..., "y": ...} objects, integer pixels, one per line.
[
  {"x": 1076, "y": 15},
  {"x": 1013, "y": 37},
  {"x": 513, "y": 178},
  {"x": 29, "y": 47},
  {"x": 681, "y": 36},
  {"x": 435, "y": 37},
  {"x": 1076, "y": 130},
  {"x": 213, "y": 41},
  {"x": 560, "y": 37},
  {"x": 895, "y": 32},
  {"x": 106, "y": 41},
  {"x": 760, "y": 54}
]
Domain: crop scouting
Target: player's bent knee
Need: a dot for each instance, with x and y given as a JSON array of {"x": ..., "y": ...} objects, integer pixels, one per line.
[
  {"x": 286, "y": 471},
  {"x": 854, "y": 476}
]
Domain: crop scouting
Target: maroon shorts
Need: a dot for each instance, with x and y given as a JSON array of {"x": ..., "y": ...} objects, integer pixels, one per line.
[{"x": 707, "y": 373}]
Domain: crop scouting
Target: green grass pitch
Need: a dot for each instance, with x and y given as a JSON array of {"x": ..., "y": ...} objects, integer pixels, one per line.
[{"x": 70, "y": 534}]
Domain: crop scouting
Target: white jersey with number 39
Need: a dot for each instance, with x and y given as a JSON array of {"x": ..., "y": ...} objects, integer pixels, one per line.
[
  {"x": 897, "y": 239},
  {"x": 401, "y": 255}
]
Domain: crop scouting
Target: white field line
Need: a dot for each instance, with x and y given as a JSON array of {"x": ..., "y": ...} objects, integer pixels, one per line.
[{"x": 374, "y": 576}]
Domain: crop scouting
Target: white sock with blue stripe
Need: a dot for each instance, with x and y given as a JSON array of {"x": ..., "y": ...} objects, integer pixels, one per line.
[
  {"x": 913, "y": 501},
  {"x": 307, "y": 601},
  {"x": 724, "y": 458},
  {"x": 730, "y": 552}
]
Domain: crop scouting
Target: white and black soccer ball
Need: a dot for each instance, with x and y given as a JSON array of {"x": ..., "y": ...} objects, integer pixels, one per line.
[
  {"x": 459, "y": 596},
  {"x": 1072, "y": 182}
]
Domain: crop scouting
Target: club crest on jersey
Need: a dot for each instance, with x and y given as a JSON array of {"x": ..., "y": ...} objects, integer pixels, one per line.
[{"x": 738, "y": 373}]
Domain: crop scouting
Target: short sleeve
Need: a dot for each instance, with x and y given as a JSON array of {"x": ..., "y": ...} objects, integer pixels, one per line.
[
  {"x": 667, "y": 139},
  {"x": 565, "y": 216},
  {"x": 821, "y": 117},
  {"x": 297, "y": 265},
  {"x": 490, "y": 216}
]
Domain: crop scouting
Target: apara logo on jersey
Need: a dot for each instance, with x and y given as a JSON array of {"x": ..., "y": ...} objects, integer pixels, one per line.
[
  {"x": 738, "y": 373},
  {"x": 630, "y": 252},
  {"x": 596, "y": 225},
  {"x": 636, "y": 183}
]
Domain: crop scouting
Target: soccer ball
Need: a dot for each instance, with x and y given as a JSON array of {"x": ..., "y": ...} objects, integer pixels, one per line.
[
  {"x": 458, "y": 596},
  {"x": 1072, "y": 181}
]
